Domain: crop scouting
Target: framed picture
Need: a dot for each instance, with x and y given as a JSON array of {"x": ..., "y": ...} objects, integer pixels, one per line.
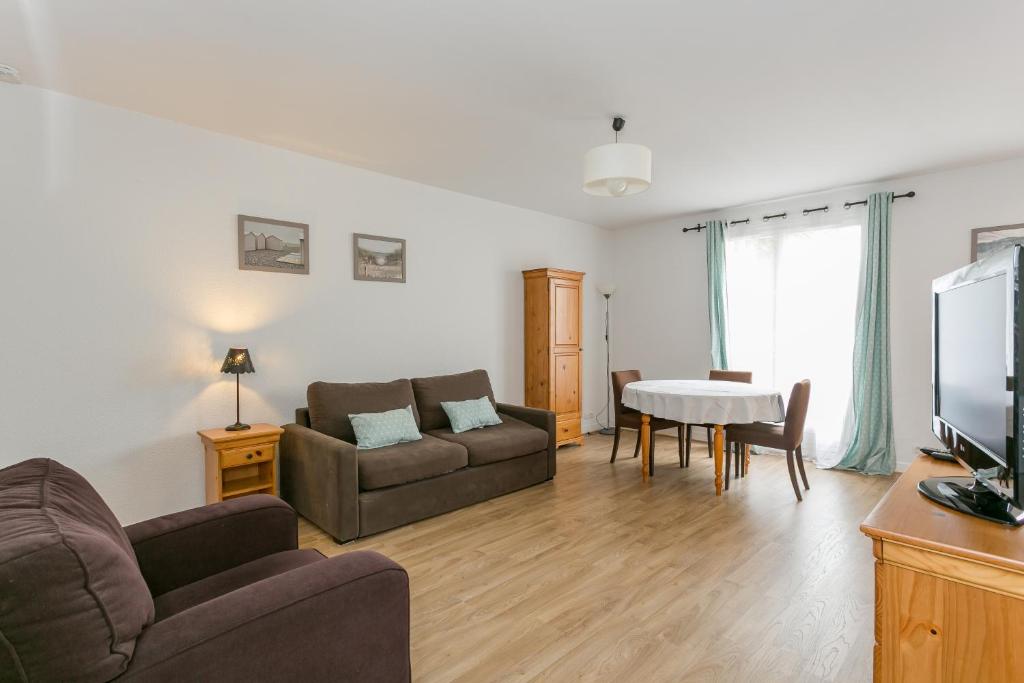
[
  {"x": 378, "y": 259},
  {"x": 985, "y": 241},
  {"x": 273, "y": 246}
]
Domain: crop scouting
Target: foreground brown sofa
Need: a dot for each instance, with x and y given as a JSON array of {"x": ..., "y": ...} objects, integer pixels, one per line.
[
  {"x": 218, "y": 593},
  {"x": 350, "y": 493}
]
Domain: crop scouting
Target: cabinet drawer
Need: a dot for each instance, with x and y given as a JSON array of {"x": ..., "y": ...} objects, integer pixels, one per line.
[
  {"x": 234, "y": 457},
  {"x": 567, "y": 429}
]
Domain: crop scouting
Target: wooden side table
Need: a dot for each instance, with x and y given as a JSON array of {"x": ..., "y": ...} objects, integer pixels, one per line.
[{"x": 240, "y": 463}]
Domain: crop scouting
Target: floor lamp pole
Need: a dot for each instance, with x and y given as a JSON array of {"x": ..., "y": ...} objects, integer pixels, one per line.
[{"x": 609, "y": 430}]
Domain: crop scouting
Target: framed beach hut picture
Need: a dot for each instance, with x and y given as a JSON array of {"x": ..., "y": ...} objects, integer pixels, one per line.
[
  {"x": 273, "y": 246},
  {"x": 378, "y": 259}
]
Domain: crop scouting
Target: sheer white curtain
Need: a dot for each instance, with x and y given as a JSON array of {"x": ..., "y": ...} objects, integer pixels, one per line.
[{"x": 792, "y": 292}]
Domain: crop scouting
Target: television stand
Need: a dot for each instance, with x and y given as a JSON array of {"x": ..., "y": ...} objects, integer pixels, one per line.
[
  {"x": 971, "y": 496},
  {"x": 949, "y": 588}
]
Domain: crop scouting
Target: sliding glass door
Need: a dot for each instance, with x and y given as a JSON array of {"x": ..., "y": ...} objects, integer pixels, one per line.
[{"x": 792, "y": 297}]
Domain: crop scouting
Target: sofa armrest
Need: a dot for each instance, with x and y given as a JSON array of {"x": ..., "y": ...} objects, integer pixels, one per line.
[
  {"x": 345, "y": 619},
  {"x": 538, "y": 417},
  {"x": 320, "y": 478},
  {"x": 183, "y": 547}
]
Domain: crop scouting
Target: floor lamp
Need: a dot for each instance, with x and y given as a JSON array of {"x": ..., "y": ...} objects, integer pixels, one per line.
[{"x": 607, "y": 291}]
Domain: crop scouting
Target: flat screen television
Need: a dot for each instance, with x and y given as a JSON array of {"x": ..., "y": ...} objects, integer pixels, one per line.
[{"x": 977, "y": 351}]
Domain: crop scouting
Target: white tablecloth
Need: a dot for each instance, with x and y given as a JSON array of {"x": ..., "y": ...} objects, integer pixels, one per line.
[{"x": 699, "y": 401}]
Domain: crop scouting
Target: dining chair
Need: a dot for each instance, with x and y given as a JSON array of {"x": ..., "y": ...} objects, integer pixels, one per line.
[
  {"x": 630, "y": 419},
  {"x": 720, "y": 376},
  {"x": 787, "y": 436}
]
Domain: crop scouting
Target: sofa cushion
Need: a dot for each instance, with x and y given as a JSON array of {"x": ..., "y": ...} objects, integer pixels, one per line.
[
  {"x": 471, "y": 414},
  {"x": 331, "y": 403},
  {"x": 72, "y": 598},
  {"x": 376, "y": 430},
  {"x": 511, "y": 439},
  {"x": 430, "y": 391},
  {"x": 406, "y": 462},
  {"x": 180, "y": 599}
]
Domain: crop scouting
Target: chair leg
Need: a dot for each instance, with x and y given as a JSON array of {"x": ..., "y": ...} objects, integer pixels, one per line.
[
  {"x": 689, "y": 432},
  {"x": 711, "y": 444},
  {"x": 682, "y": 459},
  {"x": 650, "y": 453},
  {"x": 726, "y": 447},
  {"x": 736, "y": 456},
  {"x": 800, "y": 463},
  {"x": 792, "y": 475},
  {"x": 636, "y": 449},
  {"x": 615, "y": 444}
]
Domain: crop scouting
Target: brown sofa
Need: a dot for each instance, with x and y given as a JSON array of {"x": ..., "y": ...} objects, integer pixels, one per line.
[
  {"x": 218, "y": 593},
  {"x": 351, "y": 493}
]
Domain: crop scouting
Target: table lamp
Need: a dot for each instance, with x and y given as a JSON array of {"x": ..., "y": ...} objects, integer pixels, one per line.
[{"x": 235, "y": 363}]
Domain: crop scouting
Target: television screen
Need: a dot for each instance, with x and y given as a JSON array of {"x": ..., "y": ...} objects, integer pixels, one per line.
[{"x": 971, "y": 371}]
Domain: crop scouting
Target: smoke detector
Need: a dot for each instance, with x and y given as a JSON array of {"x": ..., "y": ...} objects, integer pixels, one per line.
[{"x": 9, "y": 74}]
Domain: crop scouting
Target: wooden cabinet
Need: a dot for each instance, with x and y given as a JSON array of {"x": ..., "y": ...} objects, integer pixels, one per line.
[
  {"x": 240, "y": 463},
  {"x": 949, "y": 588},
  {"x": 554, "y": 355}
]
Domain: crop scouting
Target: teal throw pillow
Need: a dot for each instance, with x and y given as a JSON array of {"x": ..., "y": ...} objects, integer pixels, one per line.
[
  {"x": 472, "y": 414},
  {"x": 374, "y": 430}
]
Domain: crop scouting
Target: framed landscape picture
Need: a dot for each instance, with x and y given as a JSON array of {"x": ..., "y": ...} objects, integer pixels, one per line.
[
  {"x": 378, "y": 259},
  {"x": 985, "y": 241},
  {"x": 273, "y": 246}
]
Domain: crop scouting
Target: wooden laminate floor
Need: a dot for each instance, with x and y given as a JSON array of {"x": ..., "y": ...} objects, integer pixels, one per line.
[{"x": 596, "y": 576}]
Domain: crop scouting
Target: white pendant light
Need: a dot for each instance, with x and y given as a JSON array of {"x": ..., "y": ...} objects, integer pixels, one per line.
[{"x": 618, "y": 169}]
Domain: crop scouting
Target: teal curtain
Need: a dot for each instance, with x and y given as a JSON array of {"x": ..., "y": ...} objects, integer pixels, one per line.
[
  {"x": 869, "y": 429},
  {"x": 717, "y": 304}
]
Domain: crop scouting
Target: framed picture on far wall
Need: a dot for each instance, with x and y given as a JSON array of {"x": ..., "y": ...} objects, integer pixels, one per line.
[
  {"x": 378, "y": 259},
  {"x": 273, "y": 246},
  {"x": 985, "y": 241}
]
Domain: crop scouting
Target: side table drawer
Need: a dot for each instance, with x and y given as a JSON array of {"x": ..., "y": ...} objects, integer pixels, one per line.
[{"x": 235, "y": 457}]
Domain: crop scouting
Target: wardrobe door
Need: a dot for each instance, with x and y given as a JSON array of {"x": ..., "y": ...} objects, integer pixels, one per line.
[{"x": 567, "y": 361}]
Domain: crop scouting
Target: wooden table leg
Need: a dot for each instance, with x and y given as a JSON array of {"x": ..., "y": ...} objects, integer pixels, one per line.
[
  {"x": 746, "y": 458},
  {"x": 645, "y": 444},
  {"x": 719, "y": 445}
]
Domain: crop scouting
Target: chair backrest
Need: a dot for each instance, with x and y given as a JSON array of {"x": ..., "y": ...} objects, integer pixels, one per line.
[
  {"x": 796, "y": 412},
  {"x": 620, "y": 378},
  {"x": 744, "y": 376},
  {"x": 73, "y": 601}
]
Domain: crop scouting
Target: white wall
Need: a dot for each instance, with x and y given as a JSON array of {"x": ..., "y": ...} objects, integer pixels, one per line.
[
  {"x": 661, "y": 275},
  {"x": 122, "y": 291}
]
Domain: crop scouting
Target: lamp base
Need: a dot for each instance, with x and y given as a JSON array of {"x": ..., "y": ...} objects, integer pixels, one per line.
[
  {"x": 607, "y": 431},
  {"x": 237, "y": 427}
]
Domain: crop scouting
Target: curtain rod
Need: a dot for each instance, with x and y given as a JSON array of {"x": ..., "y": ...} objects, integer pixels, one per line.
[
  {"x": 847, "y": 205},
  {"x": 824, "y": 209}
]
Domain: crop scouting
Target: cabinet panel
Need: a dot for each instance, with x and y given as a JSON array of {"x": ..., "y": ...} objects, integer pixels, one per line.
[
  {"x": 567, "y": 384},
  {"x": 940, "y": 630},
  {"x": 567, "y": 314}
]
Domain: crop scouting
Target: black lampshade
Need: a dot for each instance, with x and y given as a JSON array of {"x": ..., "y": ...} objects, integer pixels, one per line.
[{"x": 237, "y": 362}]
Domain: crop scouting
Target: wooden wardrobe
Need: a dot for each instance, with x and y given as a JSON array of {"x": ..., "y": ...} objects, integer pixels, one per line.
[{"x": 554, "y": 356}]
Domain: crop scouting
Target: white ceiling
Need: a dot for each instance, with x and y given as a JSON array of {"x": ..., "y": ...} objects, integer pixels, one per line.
[{"x": 740, "y": 100}]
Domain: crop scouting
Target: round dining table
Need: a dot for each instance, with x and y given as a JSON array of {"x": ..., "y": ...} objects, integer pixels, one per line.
[{"x": 701, "y": 402}]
